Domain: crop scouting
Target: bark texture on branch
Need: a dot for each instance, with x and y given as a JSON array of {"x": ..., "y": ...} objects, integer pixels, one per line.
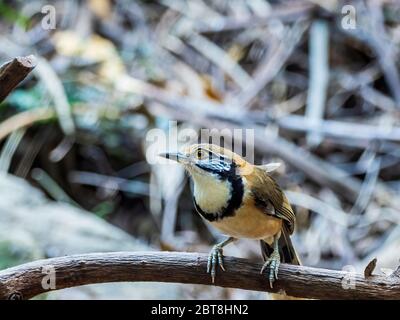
[
  {"x": 13, "y": 72},
  {"x": 25, "y": 281}
]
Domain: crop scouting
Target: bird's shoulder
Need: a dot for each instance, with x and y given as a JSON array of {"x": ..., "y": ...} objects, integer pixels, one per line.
[{"x": 269, "y": 197}]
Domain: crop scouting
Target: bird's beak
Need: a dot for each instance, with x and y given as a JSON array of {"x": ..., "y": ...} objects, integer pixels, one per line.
[{"x": 176, "y": 156}]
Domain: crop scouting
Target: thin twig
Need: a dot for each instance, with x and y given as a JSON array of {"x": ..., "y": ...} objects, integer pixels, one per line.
[
  {"x": 319, "y": 76},
  {"x": 24, "y": 119},
  {"x": 271, "y": 65},
  {"x": 284, "y": 13},
  {"x": 220, "y": 58},
  {"x": 50, "y": 79},
  {"x": 340, "y": 129}
]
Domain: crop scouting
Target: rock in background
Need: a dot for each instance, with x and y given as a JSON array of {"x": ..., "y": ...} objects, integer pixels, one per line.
[{"x": 38, "y": 228}]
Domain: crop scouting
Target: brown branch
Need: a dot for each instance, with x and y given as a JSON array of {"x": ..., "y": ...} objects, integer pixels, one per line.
[
  {"x": 13, "y": 72},
  {"x": 25, "y": 281}
]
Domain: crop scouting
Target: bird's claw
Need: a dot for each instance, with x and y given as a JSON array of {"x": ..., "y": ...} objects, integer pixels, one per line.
[
  {"x": 273, "y": 263},
  {"x": 215, "y": 257}
]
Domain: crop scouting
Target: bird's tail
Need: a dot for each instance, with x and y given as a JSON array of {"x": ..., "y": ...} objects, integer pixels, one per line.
[{"x": 287, "y": 253}]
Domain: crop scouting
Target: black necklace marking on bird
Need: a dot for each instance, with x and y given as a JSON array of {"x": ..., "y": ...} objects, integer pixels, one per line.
[{"x": 224, "y": 171}]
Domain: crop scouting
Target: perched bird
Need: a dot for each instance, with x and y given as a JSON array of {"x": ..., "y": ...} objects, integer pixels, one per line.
[{"x": 242, "y": 201}]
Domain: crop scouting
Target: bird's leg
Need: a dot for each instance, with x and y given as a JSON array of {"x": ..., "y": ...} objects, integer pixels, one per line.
[
  {"x": 216, "y": 257},
  {"x": 273, "y": 262}
]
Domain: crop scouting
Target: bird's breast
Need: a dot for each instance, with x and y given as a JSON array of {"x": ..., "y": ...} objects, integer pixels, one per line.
[
  {"x": 249, "y": 222},
  {"x": 211, "y": 195},
  {"x": 229, "y": 206},
  {"x": 216, "y": 198}
]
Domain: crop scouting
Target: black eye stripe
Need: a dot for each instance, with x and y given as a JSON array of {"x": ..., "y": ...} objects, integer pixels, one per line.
[
  {"x": 212, "y": 155},
  {"x": 219, "y": 166}
]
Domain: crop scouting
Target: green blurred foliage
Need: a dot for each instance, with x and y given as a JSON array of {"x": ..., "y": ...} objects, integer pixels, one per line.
[
  {"x": 12, "y": 15},
  {"x": 103, "y": 209},
  {"x": 14, "y": 253},
  {"x": 25, "y": 99}
]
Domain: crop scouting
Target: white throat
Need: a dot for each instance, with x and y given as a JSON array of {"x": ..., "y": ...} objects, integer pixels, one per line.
[{"x": 211, "y": 194}]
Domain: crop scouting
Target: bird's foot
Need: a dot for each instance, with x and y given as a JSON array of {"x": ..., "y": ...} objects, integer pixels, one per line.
[
  {"x": 273, "y": 263},
  {"x": 215, "y": 258}
]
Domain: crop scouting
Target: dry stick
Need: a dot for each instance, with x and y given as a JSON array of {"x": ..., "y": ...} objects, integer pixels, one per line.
[
  {"x": 361, "y": 83},
  {"x": 13, "y": 72},
  {"x": 24, "y": 119},
  {"x": 396, "y": 272},
  {"x": 99, "y": 180},
  {"x": 185, "y": 8},
  {"x": 319, "y": 76},
  {"x": 376, "y": 41},
  {"x": 220, "y": 58},
  {"x": 52, "y": 82},
  {"x": 383, "y": 49},
  {"x": 340, "y": 129},
  {"x": 284, "y": 13},
  {"x": 26, "y": 281},
  {"x": 270, "y": 66},
  {"x": 377, "y": 98}
]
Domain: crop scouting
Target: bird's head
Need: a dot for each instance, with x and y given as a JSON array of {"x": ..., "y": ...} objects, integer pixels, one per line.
[
  {"x": 219, "y": 176},
  {"x": 209, "y": 160}
]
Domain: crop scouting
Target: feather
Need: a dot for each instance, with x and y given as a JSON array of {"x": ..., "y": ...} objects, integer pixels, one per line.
[
  {"x": 266, "y": 192},
  {"x": 269, "y": 167}
]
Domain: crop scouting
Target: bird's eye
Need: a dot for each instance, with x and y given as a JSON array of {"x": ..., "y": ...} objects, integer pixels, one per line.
[{"x": 200, "y": 154}]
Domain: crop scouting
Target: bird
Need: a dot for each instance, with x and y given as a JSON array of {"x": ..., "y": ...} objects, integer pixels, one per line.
[{"x": 241, "y": 200}]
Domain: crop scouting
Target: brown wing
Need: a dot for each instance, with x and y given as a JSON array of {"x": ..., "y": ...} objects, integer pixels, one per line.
[{"x": 267, "y": 193}]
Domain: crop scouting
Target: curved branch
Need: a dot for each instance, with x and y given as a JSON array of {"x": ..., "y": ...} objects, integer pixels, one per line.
[{"x": 25, "y": 281}]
